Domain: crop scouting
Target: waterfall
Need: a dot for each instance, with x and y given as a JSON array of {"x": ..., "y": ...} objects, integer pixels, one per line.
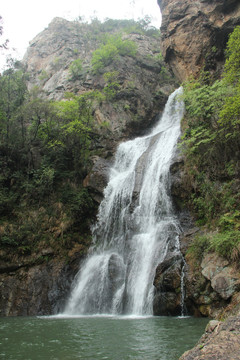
[{"x": 135, "y": 225}]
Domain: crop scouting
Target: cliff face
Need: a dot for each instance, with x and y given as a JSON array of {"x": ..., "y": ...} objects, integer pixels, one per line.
[
  {"x": 130, "y": 92},
  {"x": 194, "y": 37},
  {"x": 194, "y": 33},
  {"x": 143, "y": 86}
]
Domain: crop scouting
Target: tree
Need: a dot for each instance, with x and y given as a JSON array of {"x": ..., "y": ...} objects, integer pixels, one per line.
[
  {"x": 5, "y": 43},
  {"x": 232, "y": 65},
  {"x": 12, "y": 95}
]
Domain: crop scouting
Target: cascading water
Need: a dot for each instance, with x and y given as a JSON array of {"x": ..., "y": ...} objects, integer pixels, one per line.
[{"x": 135, "y": 225}]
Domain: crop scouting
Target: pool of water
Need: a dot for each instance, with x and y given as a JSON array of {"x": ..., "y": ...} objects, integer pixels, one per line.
[{"x": 98, "y": 337}]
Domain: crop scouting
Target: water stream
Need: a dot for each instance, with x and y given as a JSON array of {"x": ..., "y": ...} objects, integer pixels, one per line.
[{"x": 135, "y": 225}]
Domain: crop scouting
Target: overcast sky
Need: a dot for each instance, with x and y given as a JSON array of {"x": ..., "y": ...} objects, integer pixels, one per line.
[{"x": 24, "y": 19}]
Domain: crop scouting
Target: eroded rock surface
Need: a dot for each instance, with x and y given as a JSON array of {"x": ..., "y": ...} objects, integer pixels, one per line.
[
  {"x": 221, "y": 341},
  {"x": 194, "y": 33},
  {"x": 38, "y": 286}
]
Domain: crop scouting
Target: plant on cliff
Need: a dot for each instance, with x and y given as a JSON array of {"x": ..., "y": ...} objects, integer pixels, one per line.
[
  {"x": 110, "y": 50},
  {"x": 112, "y": 84},
  {"x": 75, "y": 69},
  {"x": 211, "y": 143}
]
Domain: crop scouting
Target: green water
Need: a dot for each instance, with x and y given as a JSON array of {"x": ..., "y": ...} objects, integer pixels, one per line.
[{"x": 98, "y": 338}]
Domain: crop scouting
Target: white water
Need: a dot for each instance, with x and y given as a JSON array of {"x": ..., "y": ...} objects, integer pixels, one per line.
[{"x": 135, "y": 225}]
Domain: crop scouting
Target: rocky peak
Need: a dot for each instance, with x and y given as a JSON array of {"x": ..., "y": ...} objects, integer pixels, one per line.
[
  {"x": 194, "y": 33},
  {"x": 143, "y": 81}
]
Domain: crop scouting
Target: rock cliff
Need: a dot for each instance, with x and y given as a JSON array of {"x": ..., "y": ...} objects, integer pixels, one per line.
[
  {"x": 143, "y": 82},
  {"x": 194, "y": 33},
  {"x": 36, "y": 281},
  {"x": 194, "y": 37}
]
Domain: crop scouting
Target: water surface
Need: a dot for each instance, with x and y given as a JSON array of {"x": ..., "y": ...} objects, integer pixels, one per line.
[{"x": 98, "y": 338}]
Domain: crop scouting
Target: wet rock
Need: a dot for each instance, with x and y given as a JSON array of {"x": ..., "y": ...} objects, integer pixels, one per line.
[
  {"x": 38, "y": 289},
  {"x": 167, "y": 282},
  {"x": 98, "y": 178}
]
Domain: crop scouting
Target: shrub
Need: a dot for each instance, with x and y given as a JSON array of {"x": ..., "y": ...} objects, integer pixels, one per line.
[
  {"x": 110, "y": 51},
  {"x": 75, "y": 69}
]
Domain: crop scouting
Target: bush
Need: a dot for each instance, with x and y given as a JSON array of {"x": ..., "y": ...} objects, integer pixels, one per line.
[
  {"x": 78, "y": 201},
  {"x": 75, "y": 69},
  {"x": 226, "y": 244},
  {"x": 199, "y": 247},
  {"x": 110, "y": 52}
]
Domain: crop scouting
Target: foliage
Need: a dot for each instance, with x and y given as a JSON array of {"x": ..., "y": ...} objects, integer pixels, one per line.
[
  {"x": 44, "y": 75},
  {"x": 130, "y": 26},
  {"x": 232, "y": 65},
  {"x": 112, "y": 84},
  {"x": 110, "y": 51},
  {"x": 225, "y": 244},
  {"x": 75, "y": 69},
  {"x": 78, "y": 200},
  {"x": 211, "y": 143},
  {"x": 43, "y": 144},
  {"x": 199, "y": 247},
  {"x": 5, "y": 43}
]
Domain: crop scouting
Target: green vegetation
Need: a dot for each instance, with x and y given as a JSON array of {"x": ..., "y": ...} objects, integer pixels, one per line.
[
  {"x": 110, "y": 51},
  {"x": 43, "y": 76},
  {"x": 46, "y": 146},
  {"x": 112, "y": 84},
  {"x": 44, "y": 152},
  {"x": 129, "y": 26},
  {"x": 211, "y": 143},
  {"x": 75, "y": 69}
]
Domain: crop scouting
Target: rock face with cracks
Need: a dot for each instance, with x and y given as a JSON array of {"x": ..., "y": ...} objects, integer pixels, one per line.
[{"x": 194, "y": 33}]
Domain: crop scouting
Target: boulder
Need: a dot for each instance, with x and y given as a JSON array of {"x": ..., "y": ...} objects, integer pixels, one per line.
[
  {"x": 167, "y": 282},
  {"x": 224, "y": 278},
  {"x": 98, "y": 178},
  {"x": 221, "y": 341}
]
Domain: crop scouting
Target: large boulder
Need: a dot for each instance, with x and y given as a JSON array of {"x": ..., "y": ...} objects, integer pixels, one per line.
[
  {"x": 224, "y": 278},
  {"x": 167, "y": 282},
  {"x": 221, "y": 341}
]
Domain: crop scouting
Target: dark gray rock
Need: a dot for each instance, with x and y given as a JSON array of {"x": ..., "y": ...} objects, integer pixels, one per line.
[{"x": 167, "y": 282}]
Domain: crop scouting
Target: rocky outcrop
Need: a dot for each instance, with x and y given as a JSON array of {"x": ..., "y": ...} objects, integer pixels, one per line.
[
  {"x": 167, "y": 282},
  {"x": 224, "y": 278},
  {"x": 212, "y": 286},
  {"x": 211, "y": 283},
  {"x": 38, "y": 284},
  {"x": 143, "y": 81},
  {"x": 97, "y": 179},
  {"x": 194, "y": 33},
  {"x": 221, "y": 341}
]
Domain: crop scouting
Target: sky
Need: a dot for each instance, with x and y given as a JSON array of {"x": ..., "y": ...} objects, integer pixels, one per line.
[{"x": 24, "y": 19}]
